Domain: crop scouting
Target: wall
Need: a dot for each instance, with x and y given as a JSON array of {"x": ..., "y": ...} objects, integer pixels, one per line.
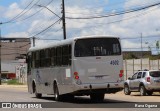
[{"x": 133, "y": 65}]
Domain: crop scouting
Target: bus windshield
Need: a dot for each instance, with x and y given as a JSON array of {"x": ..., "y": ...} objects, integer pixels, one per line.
[{"x": 97, "y": 47}]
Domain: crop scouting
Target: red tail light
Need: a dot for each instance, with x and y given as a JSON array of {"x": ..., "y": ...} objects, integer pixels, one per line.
[
  {"x": 76, "y": 75},
  {"x": 148, "y": 79},
  {"x": 121, "y": 73}
]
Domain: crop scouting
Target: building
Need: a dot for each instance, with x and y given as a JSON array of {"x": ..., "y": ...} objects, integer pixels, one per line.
[
  {"x": 13, "y": 49},
  {"x": 13, "y": 54}
]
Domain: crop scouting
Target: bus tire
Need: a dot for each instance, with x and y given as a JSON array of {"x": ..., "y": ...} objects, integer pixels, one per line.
[
  {"x": 96, "y": 97},
  {"x": 56, "y": 93},
  {"x": 38, "y": 95}
]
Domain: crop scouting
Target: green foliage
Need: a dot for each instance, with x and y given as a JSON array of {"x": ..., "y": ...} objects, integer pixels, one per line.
[
  {"x": 154, "y": 57},
  {"x": 13, "y": 82},
  {"x": 130, "y": 56}
]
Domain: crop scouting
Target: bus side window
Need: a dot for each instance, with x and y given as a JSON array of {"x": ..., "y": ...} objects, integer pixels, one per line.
[
  {"x": 59, "y": 56},
  {"x": 37, "y": 59},
  {"x": 47, "y": 57},
  {"x": 29, "y": 63},
  {"x": 42, "y": 58},
  {"x": 69, "y": 54},
  {"x": 33, "y": 59},
  {"x": 66, "y": 55},
  {"x": 53, "y": 56}
]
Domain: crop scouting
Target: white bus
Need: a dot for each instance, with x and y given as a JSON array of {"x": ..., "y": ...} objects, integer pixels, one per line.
[{"x": 78, "y": 66}]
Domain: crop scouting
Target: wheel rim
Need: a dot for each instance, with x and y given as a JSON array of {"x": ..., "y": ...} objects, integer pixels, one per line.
[
  {"x": 141, "y": 90},
  {"x": 56, "y": 93},
  {"x": 126, "y": 90}
]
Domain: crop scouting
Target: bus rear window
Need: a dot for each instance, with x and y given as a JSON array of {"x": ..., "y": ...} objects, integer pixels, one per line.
[
  {"x": 155, "y": 74},
  {"x": 97, "y": 47}
]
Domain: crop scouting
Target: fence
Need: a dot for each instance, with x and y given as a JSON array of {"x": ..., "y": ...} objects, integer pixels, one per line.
[{"x": 133, "y": 65}]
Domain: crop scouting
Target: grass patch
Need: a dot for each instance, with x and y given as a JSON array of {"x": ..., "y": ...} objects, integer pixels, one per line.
[{"x": 14, "y": 82}]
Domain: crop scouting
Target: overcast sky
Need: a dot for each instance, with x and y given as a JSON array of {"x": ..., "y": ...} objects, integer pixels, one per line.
[{"x": 26, "y": 20}]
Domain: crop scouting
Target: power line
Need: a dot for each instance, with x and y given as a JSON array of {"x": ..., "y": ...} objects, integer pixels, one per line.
[
  {"x": 116, "y": 21},
  {"x": 35, "y": 12},
  {"x": 41, "y": 38},
  {"x": 46, "y": 28},
  {"x": 50, "y": 10},
  {"x": 20, "y": 14},
  {"x": 117, "y": 13},
  {"x": 106, "y": 9},
  {"x": 30, "y": 15}
]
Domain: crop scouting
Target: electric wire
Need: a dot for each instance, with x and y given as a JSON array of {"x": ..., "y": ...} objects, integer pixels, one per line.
[
  {"x": 117, "y": 13},
  {"x": 116, "y": 21},
  {"x": 19, "y": 15},
  {"x": 46, "y": 28}
]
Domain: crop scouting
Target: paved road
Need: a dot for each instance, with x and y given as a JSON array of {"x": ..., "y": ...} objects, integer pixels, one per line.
[{"x": 20, "y": 94}]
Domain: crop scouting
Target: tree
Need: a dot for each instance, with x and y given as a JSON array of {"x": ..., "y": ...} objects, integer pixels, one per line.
[{"x": 130, "y": 56}]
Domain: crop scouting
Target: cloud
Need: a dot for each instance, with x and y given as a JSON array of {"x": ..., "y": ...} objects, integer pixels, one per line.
[
  {"x": 12, "y": 10},
  {"x": 132, "y": 24},
  {"x": 18, "y": 34}
]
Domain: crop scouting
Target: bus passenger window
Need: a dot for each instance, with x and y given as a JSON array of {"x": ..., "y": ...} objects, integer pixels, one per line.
[
  {"x": 47, "y": 57},
  {"x": 59, "y": 56},
  {"x": 53, "y": 56},
  {"x": 66, "y": 55}
]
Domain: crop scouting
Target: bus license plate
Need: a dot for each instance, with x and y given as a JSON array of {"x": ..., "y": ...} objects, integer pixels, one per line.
[{"x": 98, "y": 77}]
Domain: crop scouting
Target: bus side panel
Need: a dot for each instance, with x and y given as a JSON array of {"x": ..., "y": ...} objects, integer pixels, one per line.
[
  {"x": 45, "y": 78},
  {"x": 64, "y": 80}
]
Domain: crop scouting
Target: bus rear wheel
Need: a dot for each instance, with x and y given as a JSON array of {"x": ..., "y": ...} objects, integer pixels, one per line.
[
  {"x": 97, "y": 97},
  {"x": 56, "y": 93}
]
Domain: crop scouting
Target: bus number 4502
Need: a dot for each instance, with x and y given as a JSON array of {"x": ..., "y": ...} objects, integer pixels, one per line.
[{"x": 114, "y": 62}]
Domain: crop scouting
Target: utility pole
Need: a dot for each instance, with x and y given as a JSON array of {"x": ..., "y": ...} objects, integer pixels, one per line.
[{"x": 63, "y": 19}]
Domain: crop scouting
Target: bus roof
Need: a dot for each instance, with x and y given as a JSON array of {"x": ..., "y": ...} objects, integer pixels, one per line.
[{"x": 67, "y": 41}]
